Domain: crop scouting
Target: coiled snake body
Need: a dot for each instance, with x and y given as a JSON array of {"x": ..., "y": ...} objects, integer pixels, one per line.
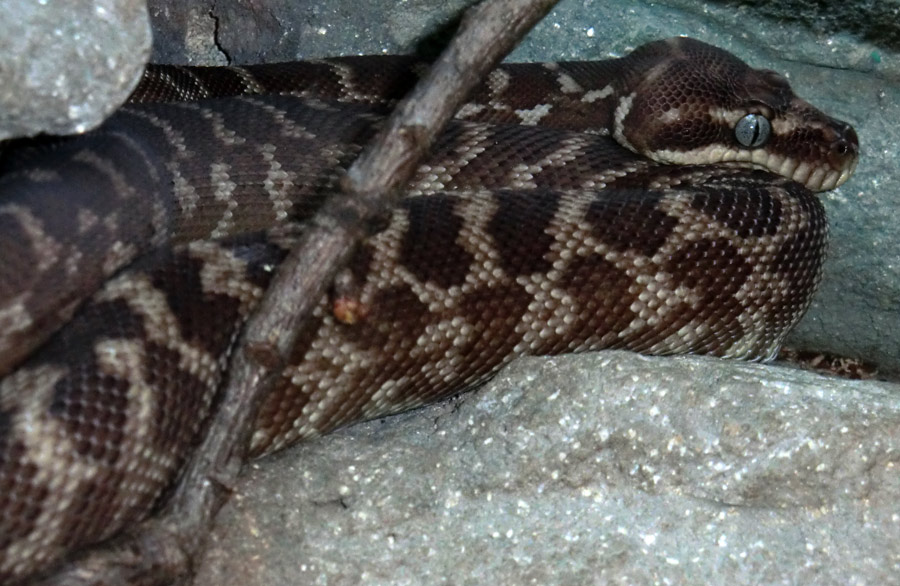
[{"x": 659, "y": 203}]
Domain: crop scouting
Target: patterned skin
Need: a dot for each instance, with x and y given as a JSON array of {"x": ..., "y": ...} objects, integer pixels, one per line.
[{"x": 659, "y": 203}]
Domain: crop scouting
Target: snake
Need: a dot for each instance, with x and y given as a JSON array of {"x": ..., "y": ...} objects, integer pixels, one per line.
[{"x": 663, "y": 202}]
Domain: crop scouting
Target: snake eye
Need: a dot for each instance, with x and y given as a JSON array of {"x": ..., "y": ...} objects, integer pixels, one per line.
[{"x": 753, "y": 130}]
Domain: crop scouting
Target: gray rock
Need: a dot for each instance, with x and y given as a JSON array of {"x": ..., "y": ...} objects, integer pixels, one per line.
[
  {"x": 599, "y": 468},
  {"x": 870, "y": 20},
  {"x": 66, "y": 66},
  {"x": 185, "y": 32}
]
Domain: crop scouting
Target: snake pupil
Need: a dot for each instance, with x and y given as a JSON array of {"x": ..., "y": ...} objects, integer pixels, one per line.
[{"x": 752, "y": 130}]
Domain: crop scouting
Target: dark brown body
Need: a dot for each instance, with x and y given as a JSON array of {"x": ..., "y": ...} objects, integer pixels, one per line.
[{"x": 527, "y": 231}]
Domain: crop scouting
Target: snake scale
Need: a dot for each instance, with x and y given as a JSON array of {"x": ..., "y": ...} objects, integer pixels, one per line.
[{"x": 661, "y": 202}]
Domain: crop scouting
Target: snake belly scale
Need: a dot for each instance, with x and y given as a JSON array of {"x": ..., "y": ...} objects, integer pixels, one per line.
[{"x": 662, "y": 203}]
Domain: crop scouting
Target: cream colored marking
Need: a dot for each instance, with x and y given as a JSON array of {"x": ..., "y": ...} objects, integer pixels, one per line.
[
  {"x": 73, "y": 263},
  {"x": 320, "y": 106},
  {"x": 387, "y": 271},
  {"x": 592, "y": 96},
  {"x": 522, "y": 176},
  {"x": 38, "y": 175},
  {"x": 471, "y": 145},
  {"x": 87, "y": 220},
  {"x": 444, "y": 339},
  {"x": 835, "y": 179},
  {"x": 224, "y": 274},
  {"x": 768, "y": 291},
  {"x": 385, "y": 248},
  {"x": 786, "y": 125},
  {"x": 546, "y": 314},
  {"x": 434, "y": 177},
  {"x": 802, "y": 172},
  {"x": 426, "y": 180},
  {"x": 160, "y": 324},
  {"x": 477, "y": 210},
  {"x": 126, "y": 360},
  {"x": 122, "y": 186},
  {"x": 112, "y": 220},
  {"x": 383, "y": 398},
  {"x": 185, "y": 194},
  {"x": 14, "y": 316},
  {"x": 137, "y": 147},
  {"x": 656, "y": 297},
  {"x": 224, "y": 191},
  {"x": 49, "y": 446},
  {"x": 160, "y": 219},
  {"x": 814, "y": 178},
  {"x": 286, "y": 126},
  {"x": 219, "y": 129},
  {"x": 117, "y": 256},
  {"x": 347, "y": 81},
  {"x": 469, "y": 110},
  {"x": 754, "y": 343},
  {"x": 621, "y": 111},
  {"x": 251, "y": 84},
  {"x": 174, "y": 137},
  {"x": 204, "y": 91},
  {"x": 605, "y": 177},
  {"x": 498, "y": 81},
  {"x": 728, "y": 117},
  {"x": 278, "y": 184},
  {"x": 671, "y": 115},
  {"x": 568, "y": 85},
  {"x": 45, "y": 247},
  {"x": 533, "y": 116},
  {"x": 681, "y": 341}
]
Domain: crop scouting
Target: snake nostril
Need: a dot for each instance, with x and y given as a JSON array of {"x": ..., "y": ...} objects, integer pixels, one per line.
[
  {"x": 849, "y": 138},
  {"x": 846, "y": 143}
]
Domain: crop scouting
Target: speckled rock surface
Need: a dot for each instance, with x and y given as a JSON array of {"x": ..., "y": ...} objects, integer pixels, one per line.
[
  {"x": 65, "y": 66},
  {"x": 594, "y": 469},
  {"x": 871, "y": 20}
]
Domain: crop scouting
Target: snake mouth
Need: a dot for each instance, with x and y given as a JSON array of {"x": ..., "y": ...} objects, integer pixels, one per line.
[
  {"x": 828, "y": 164},
  {"x": 822, "y": 175},
  {"x": 823, "y": 178},
  {"x": 815, "y": 177}
]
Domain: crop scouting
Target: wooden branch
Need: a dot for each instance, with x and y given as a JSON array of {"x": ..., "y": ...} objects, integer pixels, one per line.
[{"x": 162, "y": 549}]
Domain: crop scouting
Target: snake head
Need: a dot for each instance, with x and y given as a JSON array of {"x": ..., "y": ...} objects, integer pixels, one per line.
[{"x": 689, "y": 103}]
